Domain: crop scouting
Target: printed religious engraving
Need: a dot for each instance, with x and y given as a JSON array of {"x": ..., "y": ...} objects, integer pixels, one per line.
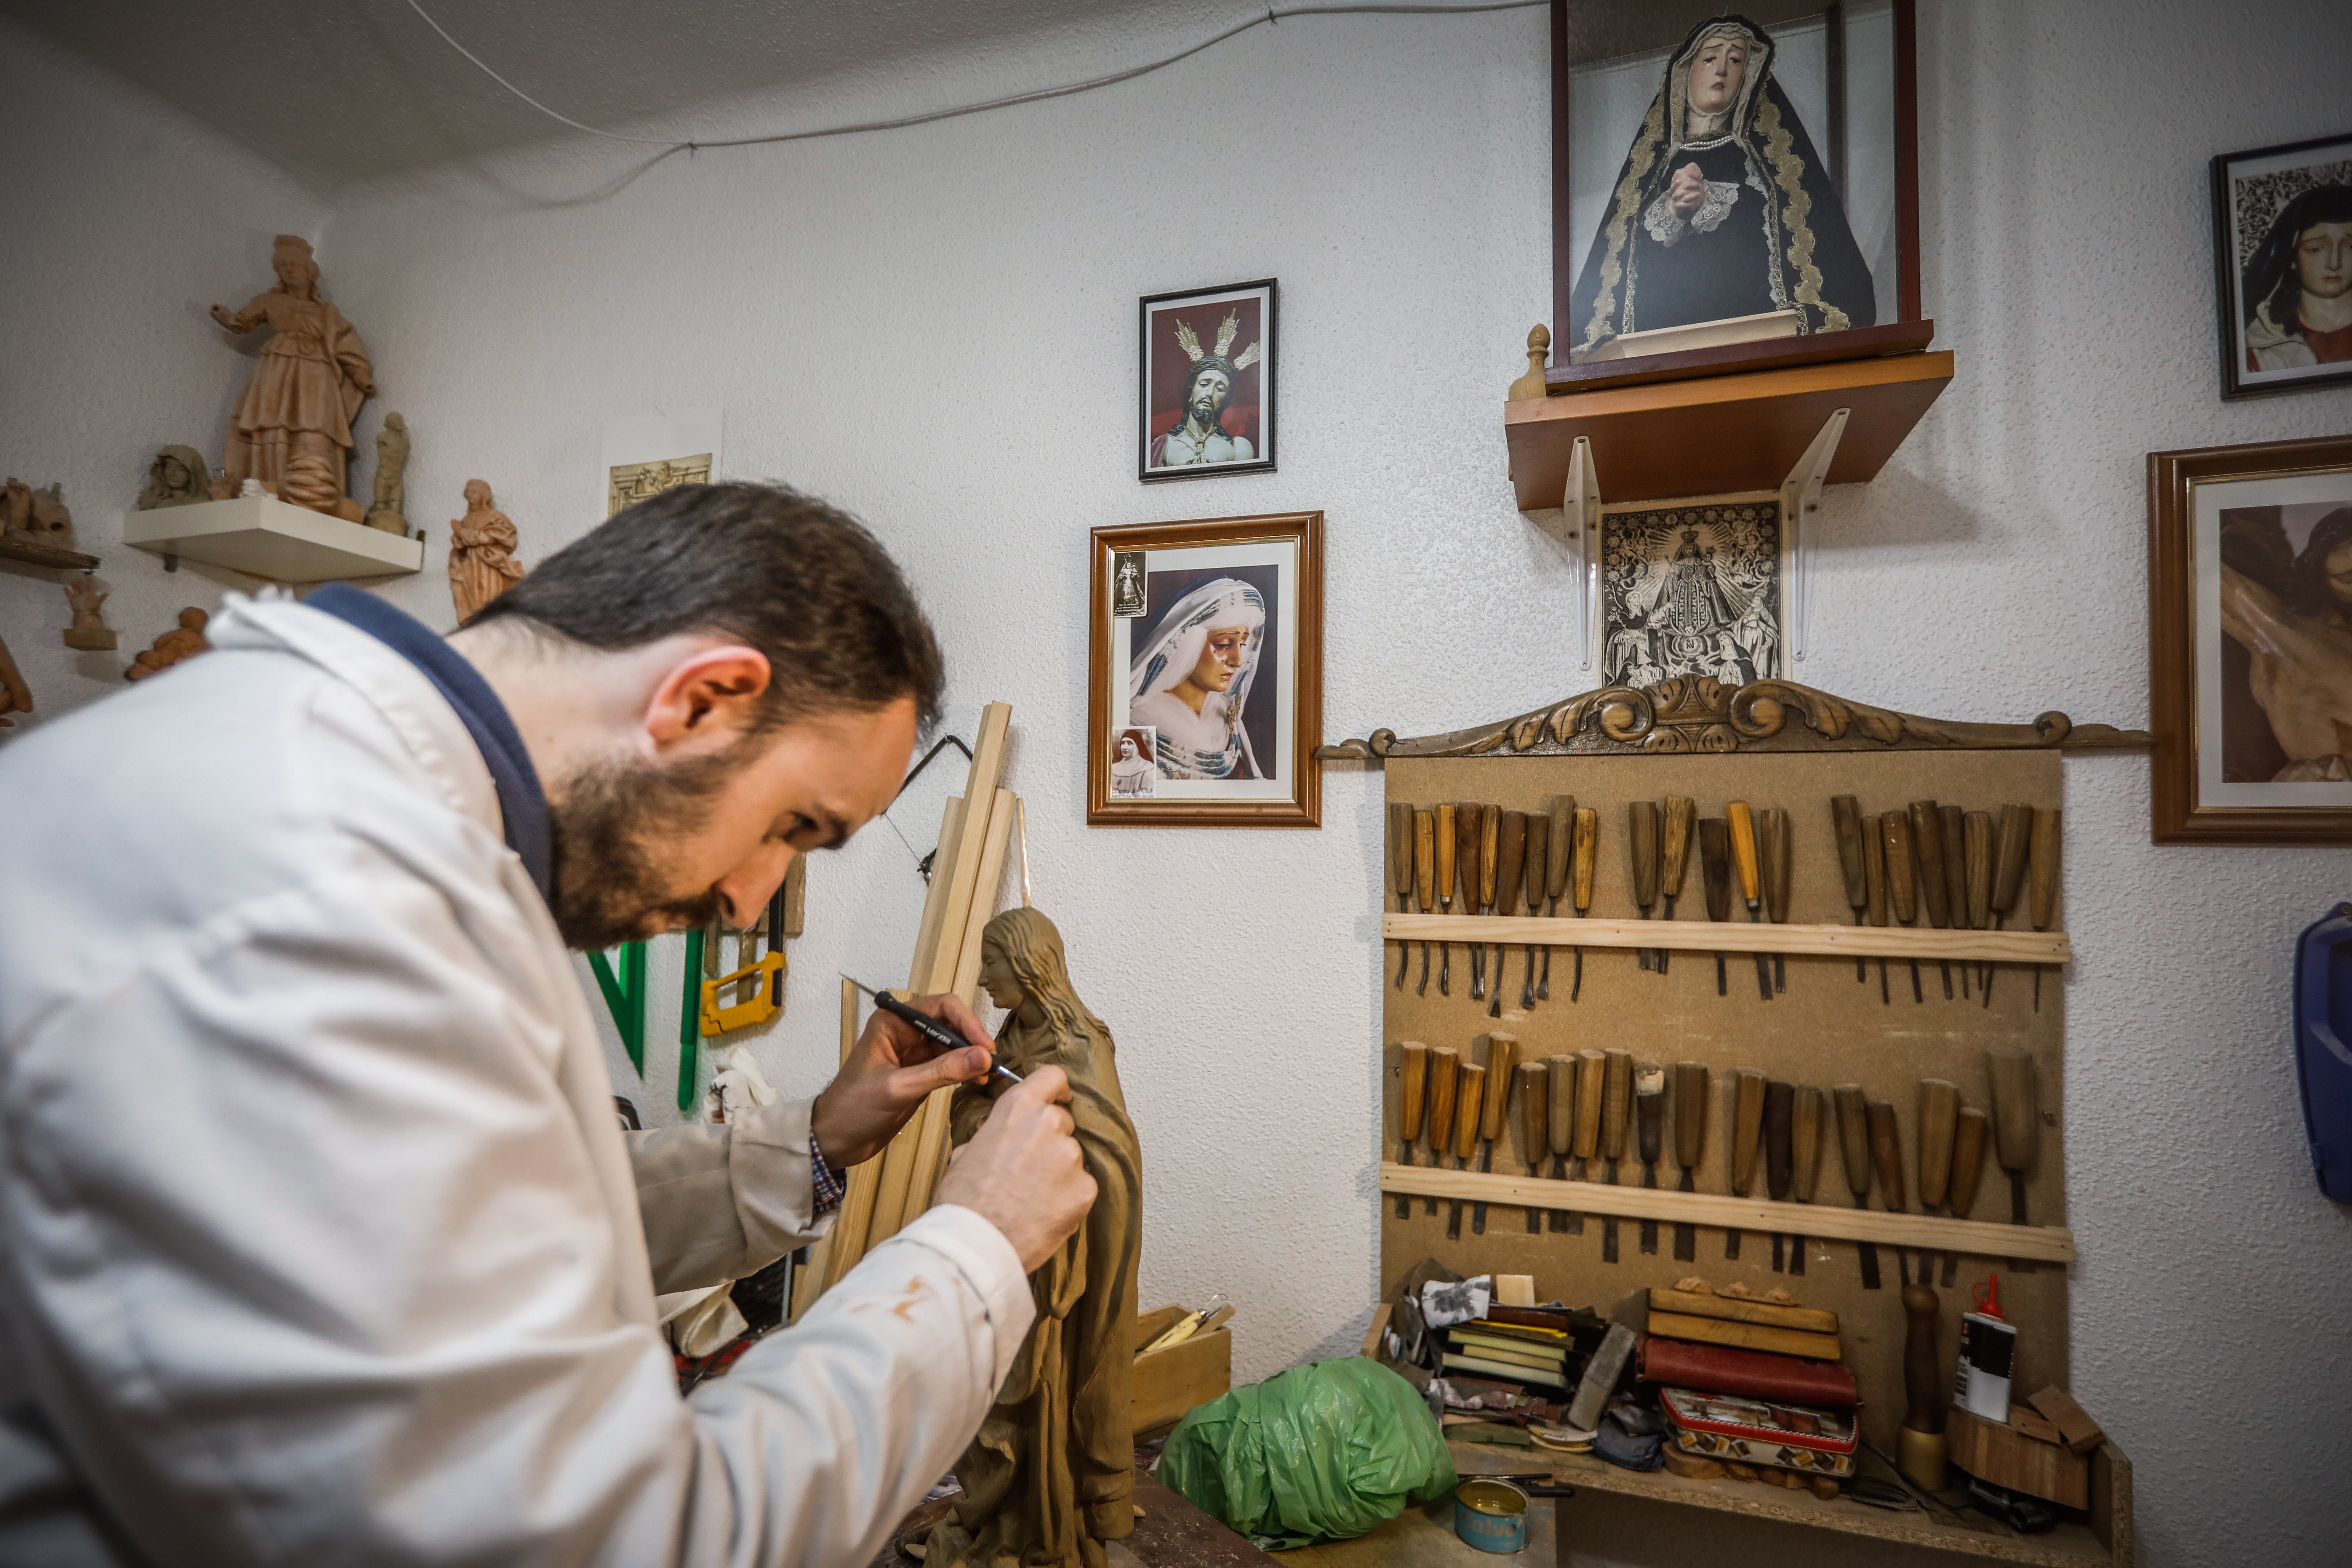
[{"x": 1693, "y": 589}]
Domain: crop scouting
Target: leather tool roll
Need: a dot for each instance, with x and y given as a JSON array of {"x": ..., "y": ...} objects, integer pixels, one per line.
[{"x": 1716, "y": 1369}]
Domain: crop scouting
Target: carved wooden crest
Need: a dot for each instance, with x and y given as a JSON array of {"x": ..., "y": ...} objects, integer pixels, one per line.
[{"x": 1699, "y": 713}]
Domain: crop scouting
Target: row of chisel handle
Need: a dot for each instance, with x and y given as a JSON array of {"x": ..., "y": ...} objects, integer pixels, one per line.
[
  {"x": 1960, "y": 870},
  {"x": 1600, "y": 1103}
]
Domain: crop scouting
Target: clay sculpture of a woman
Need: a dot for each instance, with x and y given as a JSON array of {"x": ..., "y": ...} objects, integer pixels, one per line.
[
  {"x": 313, "y": 376},
  {"x": 1051, "y": 1476},
  {"x": 481, "y": 553}
]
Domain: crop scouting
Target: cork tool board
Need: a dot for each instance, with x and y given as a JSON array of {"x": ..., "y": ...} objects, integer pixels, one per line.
[{"x": 1826, "y": 1029}]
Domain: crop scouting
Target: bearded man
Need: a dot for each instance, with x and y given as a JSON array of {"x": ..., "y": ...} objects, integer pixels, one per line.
[
  {"x": 1200, "y": 438},
  {"x": 318, "y": 1241}
]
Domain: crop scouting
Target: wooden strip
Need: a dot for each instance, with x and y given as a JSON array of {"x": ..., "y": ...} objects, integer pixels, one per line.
[
  {"x": 1744, "y": 1336},
  {"x": 979, "y": 793},
  {"x": 935, "y": 898},
  {"x": 1983, "y": 1239},
  {"x": 1697, "y": 936},
  {"x": 1731, "y": 1309}
]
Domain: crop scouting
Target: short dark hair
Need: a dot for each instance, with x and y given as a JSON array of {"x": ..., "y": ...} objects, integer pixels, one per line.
[{"x": 803, "y": 582}]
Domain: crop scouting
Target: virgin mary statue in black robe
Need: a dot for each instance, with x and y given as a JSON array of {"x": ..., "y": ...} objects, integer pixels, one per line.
[{"x": 1755, "y": 226}]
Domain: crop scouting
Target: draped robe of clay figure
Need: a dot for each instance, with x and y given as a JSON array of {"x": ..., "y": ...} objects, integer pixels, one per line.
[
  {"x": 481, "y": 553},
  {"x": 311, "y": 381},
  {"x": 1051, "y": 1476}
]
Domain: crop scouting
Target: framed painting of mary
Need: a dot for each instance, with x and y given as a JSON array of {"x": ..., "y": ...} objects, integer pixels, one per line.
[
  {"x": 1727, "y": 179},
  {"x": 2283, "y": 236},
  {"x": 2250, "y": 643},
  {"x": 1205, "y": 674}
]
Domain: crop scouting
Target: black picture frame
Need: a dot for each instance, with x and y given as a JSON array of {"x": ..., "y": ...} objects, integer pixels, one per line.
[
  {"x": 2238, "y": 380},
  {"x": 1183, "y": 304}
]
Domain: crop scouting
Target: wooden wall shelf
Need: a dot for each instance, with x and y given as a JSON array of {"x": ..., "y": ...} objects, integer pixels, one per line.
[
  {"x": 36, "y": 549},
  {"x": 1721, "y": 434},
  {"x": 1734, "y": 936}
]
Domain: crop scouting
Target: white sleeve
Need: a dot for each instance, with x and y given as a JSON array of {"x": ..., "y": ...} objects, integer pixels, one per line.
[{"x": 724, "y": 1200}]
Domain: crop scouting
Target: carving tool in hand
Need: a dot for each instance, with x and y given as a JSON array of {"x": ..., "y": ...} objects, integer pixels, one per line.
[
  {"x": 1747, "y": 1135},
  {"x": 1939, "y": 1112},
  {"x": 1874, "y": 884},
  {"x": 1445, "y": 1086},
  {"x": 1558, "y": 849},
  {"x": 1502, "y": 1050},
  {"x": 1649, "y": 1121},
  {"x": 1845, "y": 816},
  {"x": 1535, "y": 1125},
  {"x": 1749, "y": 866},
  {"x": 1401, "y": 872},
  {"x": 1425, "y": 881},
  {"x": 1853, "y": 1149},
  {"x": 1641, "y": 838},
  {"x": 1499, "y": 885},
  {"x": 2016, "y": 1127},
  {"x": 1490, "y": 862},
  {"x": 1690, "y": 1143},
  {"x": 1674, "y": 857},
  {"x": 1968, "y": 1132},
  {"x": 931, "y": 1029},
  {"x": 1447, "y": 841},
  {"x": 1469, "y": 1090},
  {"x": 1588, "y": 850},
  {"x": 1616, "y": 1093},
  {"x": 1902, "y": 879},
  {"x": 1772, "y": 845},
  {"x": 1591, "y": 1080},
  {"x": 1538, "y": 856},
  {"x": 2043, "y": 874},
  {"x": 1928, "y": 842},
  {"x": 1886, "y": 1160},
  {"x": 1715, "y": 871},
  {"x": 1779, "y": 1130},
  {"x": 2009, "y": 872},
  {"x": 1804, "y": 1159},
  {"x": 1559, "y": 1083},
  {"x": 1467, "y": 817},
  {"x": 1412, "y": 1100}
]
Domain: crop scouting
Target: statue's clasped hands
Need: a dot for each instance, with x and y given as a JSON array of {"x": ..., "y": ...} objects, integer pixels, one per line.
[{"x": 1687, "y": 190}]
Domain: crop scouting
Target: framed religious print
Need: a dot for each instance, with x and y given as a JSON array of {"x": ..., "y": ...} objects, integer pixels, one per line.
[
  {"x": 1204, "y": 674},
  {"x": 1723, "y": 180},
  {"x": 2250, "y": 643},
  {"x": 1694, "y": 587},
  {"x": 1207, "y": 392},
  {"x": 2282, "y": 243}
]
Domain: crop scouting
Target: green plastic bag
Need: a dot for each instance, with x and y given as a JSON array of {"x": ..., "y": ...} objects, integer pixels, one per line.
[{"x": 1324, "y": 1452}]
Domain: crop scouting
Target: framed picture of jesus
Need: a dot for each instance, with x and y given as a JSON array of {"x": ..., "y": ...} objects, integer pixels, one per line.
[{"x": 1207, "y": 375}]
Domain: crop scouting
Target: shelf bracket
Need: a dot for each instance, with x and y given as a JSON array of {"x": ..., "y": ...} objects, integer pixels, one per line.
[
  {"x": 1579, "y": 506},
  {"x": 1801, "y": 505}
]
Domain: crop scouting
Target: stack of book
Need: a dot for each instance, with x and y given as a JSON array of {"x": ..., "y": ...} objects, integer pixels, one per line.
[{"x": 1511, "y": 1351}]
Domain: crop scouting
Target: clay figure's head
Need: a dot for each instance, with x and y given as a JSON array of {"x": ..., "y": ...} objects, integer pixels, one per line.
[
  {"x": 477, "y": 495},
  {"x": 396, "y": 422},
  {"x": 1718, "y": 71},
  {"x": 296, "y": 269},
  {"x": 192, "y": 619},
  {"x": 1023, "y": 969}
]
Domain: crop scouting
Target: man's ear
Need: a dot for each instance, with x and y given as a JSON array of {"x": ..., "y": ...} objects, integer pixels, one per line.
[{"x": 706, "y": 699}]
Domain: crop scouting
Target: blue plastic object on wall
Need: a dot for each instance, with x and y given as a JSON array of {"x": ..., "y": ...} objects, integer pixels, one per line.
[{"x": 2322, "y": 1045}]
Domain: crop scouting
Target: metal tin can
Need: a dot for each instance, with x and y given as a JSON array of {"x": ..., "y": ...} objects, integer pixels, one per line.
[{"x": 1491, "y": 1515}]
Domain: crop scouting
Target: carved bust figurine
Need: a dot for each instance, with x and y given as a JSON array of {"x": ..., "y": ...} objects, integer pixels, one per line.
[
  {"x": 481, "y": 553},
  {"x": 1051, "y": 1476},
  {"x": 391, "y": 476},
  {"x": 184, "y": 641},
  {"x": 310, "y": 380},
  {"x": 176, "y": 477}
]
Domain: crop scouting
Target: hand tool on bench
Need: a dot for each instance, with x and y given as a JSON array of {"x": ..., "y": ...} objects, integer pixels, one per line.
[
  {"x": 1956, "y": 876},
  {"x": 1649, "y": 1120},
  {"x": 1425, "y": 881},
  {"x": 1845, "y": 819},
  {"x": 1772, "y": 845},
  {"x": 2016, "y": 1127},
  {"x": 1902, "y": 879},
  {"x": 1468, "y": 1093},
  {"x": 1691, "y": 1107},
  {"x": 1448, "y": 841},
  {"x": 1853, "y": 1149},
  {"x": 1746, "y": 1107},
  {"x": 1535, "y": 1125},
  {"x": 1412, "y": 1100},
  {"x": 1804, "y": 1159},
  {"x": 1968, "y": 1132},
  {"x": 1715, "y": 871},
  {"x": 2015, "y": 839},
  {"x": 2043, "y": 873},
  {"x": 1591, "y": 1080},
  {"x": 1749, "y": 866},
  {"x": 1641, "y": 840},
  {"x": 1874, "y": 886},
  {"x": 1680, "y": 821},
  {"x": 1558, "y": 848},
  {"x": 1502, "y": 1051},
  {"x": 1588, "y": 849},
  {"x": 1444, "y": 1086},
  {"x": 1560, "y": 1084},
  {"x": 1780, "y": 1118},
  {"x": 1616, "y": 1096},
  {"x": 1400, "y": 873},
  {"x": 1886, "y": 1160},
  {"x": 1939, "y": 1112},
  {"x": 1928, "y": 842},
  {"x": 1537, "y": 853},
  {"x": 1499, "y": 887}
]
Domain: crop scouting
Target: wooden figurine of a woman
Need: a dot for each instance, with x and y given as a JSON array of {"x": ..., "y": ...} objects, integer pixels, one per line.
[
  {"x": 308, "y": 383},
  {"x": 1051, "y": 1476}
]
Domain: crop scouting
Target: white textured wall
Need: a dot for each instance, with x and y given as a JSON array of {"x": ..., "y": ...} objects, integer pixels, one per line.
[{"x": 936, "y": 328}]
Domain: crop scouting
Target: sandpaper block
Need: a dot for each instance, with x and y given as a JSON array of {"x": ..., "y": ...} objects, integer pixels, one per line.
[{"x": 2076, "y": 1428}]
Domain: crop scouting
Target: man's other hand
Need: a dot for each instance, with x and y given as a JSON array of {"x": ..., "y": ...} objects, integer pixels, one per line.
[
  {"x": 889, "y": 1072},
  {"x": 1022, "y": 1172}
]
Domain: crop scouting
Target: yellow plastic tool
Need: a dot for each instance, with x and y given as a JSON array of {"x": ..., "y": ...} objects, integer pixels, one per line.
[{"x": 765, "y": 1004}]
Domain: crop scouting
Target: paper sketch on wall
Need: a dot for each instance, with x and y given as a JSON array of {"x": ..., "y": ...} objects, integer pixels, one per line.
[
  {"x": 1692, "y": 590},
  {"x": 629, "y": 483}
]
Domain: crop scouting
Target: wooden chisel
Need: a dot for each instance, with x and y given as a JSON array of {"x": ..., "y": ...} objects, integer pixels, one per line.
[
  {"x": 1411, "y": 1101},
  {"x": 1772, "y": 843},
  {"x": 1779, "y": 1128},
  {"x": 1539, "y": 856},
  {"x": 1446, "y": 840},
  {"x": 1845, "y": 818},
  {"x": 1558, "y": 848},
  {"x": 1968, "y": 1165},
  {"x": 1902, "y": 879},
  {"x": 2009, "y": 872},
  {"x": 1533, "y": 1089},
  {"x": 1588, "y": 849},
  {"x": 1467, "y": 816},
  {"x": 1927, "y": 840},
  {"x": 1679, "y": 822},
  {"x": 1502, "y": 1052},
  {"x": 1715, "y": 871},
  {"x": 1592, "y": 1075},
  {"x": 1500, "y": 885},
  {"x": 2016, "y": 1127},
  {"x": 1649, "y": 1121},
  {"x": 1559, "y": 1083},
  {"x": 1886, "y": 1160},
  {"x": 1642, "y": 839},
  {"x": 1445, "y": 1086},
  {"x": 1490, "y": 862},
  {"x": 1468, "y": 1091},
  {"x": 1425, "y": 881},
  {"x": 1853, "y": 1149},
  {"x": 1750, "y": 865},
  {"x": 1956, "y": 876},
  {"x": 1939, "y": 1112},
  {"x": 1874, "y": 886},
  {"x": 1616, "y": 1094},
  {"x": 1746, "y": 1108},
  {"x": 1690, "y": 1145},
  {"x": 1804, "y": 1160},
  {"x": 1401, "y": 872},
  {"x": 1976, "y": 837},
  {"x": 2042, "y": 872}
]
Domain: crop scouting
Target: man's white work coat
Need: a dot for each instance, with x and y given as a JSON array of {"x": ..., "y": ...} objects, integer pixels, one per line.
[{"x": 318, "y": 1240}]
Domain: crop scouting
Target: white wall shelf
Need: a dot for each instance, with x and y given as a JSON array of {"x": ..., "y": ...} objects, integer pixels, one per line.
[{"x": 266, "y": 537}]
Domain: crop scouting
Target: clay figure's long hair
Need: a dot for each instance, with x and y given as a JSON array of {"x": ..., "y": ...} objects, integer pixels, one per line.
[
  {"x": 2306, "y": 585},
  {"x": 2271, "y": 278},
  {"x": 1033, "y": 949}
]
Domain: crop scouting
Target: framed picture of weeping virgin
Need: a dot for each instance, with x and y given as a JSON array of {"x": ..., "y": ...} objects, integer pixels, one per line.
[
  {"x": 1207, "y": 373},
  {"x": 1204, "y": 674},
  {"x": 2282, "y": 242},
  {"x": 2250, "y": 643}
]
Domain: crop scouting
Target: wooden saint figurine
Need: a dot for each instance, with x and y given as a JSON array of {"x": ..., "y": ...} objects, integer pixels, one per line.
[
  {"x": 309, "y": 382},
  {"x": 1051, "y": 1476},
  {"x": 184, "y": 641},
  {"x": 391, "y": 476},
  {"x": 481, "y": 553}
]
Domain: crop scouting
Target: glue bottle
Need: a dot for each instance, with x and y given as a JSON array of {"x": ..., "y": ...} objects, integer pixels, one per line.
[{"x": 1988, "y": 1351}]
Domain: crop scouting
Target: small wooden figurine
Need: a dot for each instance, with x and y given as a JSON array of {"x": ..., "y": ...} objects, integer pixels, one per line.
[
  {"x": 481, "y": 553},
  {"x": 15, "y": 697},
  {"x": 391, "y": 476},
  {"x": 89, "y": 631},
  {"x": 184, "y": 641},
  {"x": 311, "y": 381},
  {"x": 176, "y": 477},
  {"x": 42, "y": 513}
]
